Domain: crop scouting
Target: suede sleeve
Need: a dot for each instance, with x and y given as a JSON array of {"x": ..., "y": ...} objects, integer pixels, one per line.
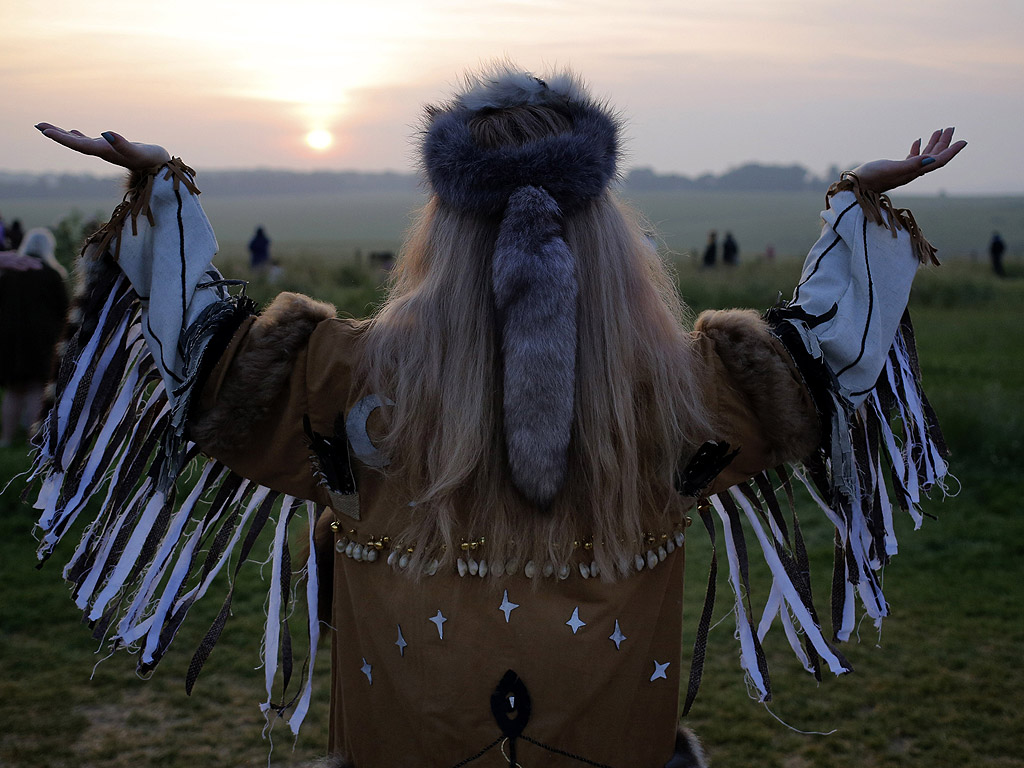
[
  {"x": 755, "y": 395},
  {"x": 292, "y": 362}
]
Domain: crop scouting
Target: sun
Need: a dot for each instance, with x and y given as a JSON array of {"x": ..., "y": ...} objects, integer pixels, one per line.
[{"x": 319, "y": 139}]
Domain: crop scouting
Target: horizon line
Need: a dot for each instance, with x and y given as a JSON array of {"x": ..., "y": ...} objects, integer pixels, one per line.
[{"x": 114, "y": 174}]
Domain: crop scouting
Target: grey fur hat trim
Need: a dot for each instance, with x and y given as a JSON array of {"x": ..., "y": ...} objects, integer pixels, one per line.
[
  {"x": 572, "y": 167},
  {"x": 531, "y": 186},
  {"x": 535, "y": 291}
]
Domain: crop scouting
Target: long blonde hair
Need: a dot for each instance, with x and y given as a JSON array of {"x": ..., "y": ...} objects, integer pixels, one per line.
[{"x": 433, "y": 349}]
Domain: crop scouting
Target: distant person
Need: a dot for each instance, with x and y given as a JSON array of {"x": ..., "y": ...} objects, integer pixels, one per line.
[
  {"x": 711, "y": 249},
  {"x": 730, "y": 251},
  {"x": 996, "y": 249},
  {"x": 259, "y": 250},
  {"x": 383, "y": 260},
  {"x": 769, "y": 253},
  {"x": 33, "y": 305},
  {"x": 15, "y": 235}
]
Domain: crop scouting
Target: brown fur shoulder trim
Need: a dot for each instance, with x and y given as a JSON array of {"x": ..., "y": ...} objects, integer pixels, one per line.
[
  {"x": 259, "y": 369},
  {"x": 761, "y": 369}
]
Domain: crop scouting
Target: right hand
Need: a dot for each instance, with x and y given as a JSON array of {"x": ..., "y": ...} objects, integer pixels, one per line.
[
  {"x": 883, "y": 175},
  {"x": 110, "y": 147}
]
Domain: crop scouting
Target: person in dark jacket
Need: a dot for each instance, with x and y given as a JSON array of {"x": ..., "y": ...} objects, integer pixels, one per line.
[
  {"x": 15, "y": 235},
  {"x": 730, "y": 251},
  {"x": 996, "y": 249},
  {"x": 33, "y": 305},
  {"x": 259, "y": 250},
  {"x": 711, "y": 249}
]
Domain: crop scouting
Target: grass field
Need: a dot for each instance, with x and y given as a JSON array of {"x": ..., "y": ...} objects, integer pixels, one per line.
[{"x": 941, "y": 686}]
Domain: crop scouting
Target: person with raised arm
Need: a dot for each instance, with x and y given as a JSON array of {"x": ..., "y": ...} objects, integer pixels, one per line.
[{"x": 500, "y": 466}]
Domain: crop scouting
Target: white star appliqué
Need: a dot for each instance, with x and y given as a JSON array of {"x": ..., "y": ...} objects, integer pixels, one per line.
[
  {"x": 439, "y": 621},
  {"x": 575, "y": 622},
  {"x": 401, "y": 641},
  {"x": 659, "y": 671},
  {"x": 506, "y": 606},
  {"x": 617, "y": 637},
  {"x": 367, "y": 670}
]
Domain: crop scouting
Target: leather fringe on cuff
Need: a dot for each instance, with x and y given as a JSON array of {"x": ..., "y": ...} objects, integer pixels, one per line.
[
  {"x": 136, "y": 202},
  {"x": 874, "y": 204}
]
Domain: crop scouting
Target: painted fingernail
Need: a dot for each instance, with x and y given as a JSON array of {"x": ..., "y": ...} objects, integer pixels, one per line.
[
  {"x": 109, "y": 136},
  {"x": 928, "y": 161}
]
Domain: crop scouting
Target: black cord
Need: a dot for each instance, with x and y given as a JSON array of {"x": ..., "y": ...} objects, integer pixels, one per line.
[
  {"x": 563, "y": 753},
  {"x": 481, "y": 753}
]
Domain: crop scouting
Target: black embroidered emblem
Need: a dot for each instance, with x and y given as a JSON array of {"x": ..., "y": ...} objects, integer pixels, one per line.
[
  {"x": 332, "y": 466},
  {"x": 707, "y": 463}
]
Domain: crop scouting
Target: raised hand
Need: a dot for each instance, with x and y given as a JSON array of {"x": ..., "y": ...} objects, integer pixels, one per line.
[
  {"x": 883, "y": 175},
  {"x": 110, "y": 147}
]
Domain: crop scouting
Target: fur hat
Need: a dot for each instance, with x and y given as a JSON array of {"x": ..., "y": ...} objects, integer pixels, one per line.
[
  {"x": 572, "y": 167},
  {"x": 531, "y": 185}
]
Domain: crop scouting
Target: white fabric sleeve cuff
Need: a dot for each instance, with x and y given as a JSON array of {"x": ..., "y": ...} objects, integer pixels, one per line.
[
  {"x": 854, "y": 288},
  {"x": 168, "y": 263}
]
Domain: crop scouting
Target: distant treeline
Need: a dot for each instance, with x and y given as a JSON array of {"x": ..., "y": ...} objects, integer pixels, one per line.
[
  {"x": 219, "y": 183},
  {"x": 749, "y": 177}
]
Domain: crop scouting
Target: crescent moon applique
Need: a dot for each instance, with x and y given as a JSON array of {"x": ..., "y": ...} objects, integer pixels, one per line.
[{"x": 358, "y": 438}]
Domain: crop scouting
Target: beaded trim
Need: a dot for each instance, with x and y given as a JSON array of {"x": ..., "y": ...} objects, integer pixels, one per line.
[{"x": 653, "y": 548}]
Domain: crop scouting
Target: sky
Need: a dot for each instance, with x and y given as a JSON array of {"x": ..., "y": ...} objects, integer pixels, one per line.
[{"x": 704, "y": 85}]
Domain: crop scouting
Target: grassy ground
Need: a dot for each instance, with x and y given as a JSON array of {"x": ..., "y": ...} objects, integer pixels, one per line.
[
  {"x": 55, "y": 715},
  {"x": 939, "y": 687}
]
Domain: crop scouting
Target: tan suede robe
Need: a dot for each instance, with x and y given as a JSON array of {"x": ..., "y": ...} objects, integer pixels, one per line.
[{"x": 415, "y": 661}]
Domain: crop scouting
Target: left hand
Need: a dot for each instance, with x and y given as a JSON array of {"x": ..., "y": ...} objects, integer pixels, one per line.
[
  {"x": 111, "y": 147},
  {"x": 883, "y": 175}
]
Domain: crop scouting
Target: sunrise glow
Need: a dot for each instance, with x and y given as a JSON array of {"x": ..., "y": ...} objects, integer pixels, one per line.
[
  {"x": 704, "y": 85},
  {"x": 319, "y": 139}
]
